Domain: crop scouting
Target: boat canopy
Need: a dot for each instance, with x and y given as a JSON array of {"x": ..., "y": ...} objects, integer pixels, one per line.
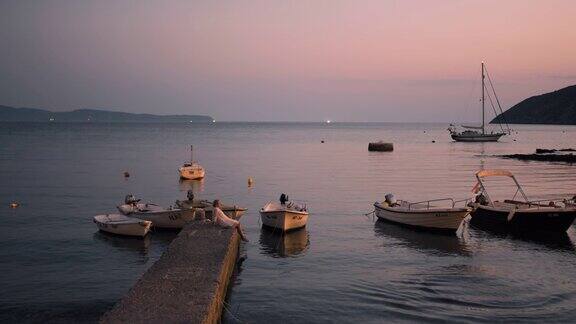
[{"x": 494, "y": 173}]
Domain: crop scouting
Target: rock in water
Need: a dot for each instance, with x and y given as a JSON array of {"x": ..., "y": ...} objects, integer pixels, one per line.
[{"x": 380, "y": 147}]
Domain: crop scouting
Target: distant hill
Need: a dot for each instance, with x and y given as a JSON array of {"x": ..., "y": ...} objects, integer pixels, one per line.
[
  {"x": 553, "y": 108},
  {"x": 92, "y": 115}
]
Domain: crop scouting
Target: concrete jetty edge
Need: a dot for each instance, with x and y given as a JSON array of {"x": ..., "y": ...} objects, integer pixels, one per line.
[{"x": 188, "y": 284}]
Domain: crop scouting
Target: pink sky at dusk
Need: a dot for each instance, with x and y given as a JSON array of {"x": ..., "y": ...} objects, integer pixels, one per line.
[{"x": 284, "y": 60}]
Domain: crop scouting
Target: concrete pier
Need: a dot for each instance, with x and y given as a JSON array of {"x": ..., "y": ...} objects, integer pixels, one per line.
[{"x": 187, "y": 284}]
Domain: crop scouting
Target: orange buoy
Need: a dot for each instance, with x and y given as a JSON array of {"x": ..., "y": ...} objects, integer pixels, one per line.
[
  {"x": 250, "y": 182},
  {"x": 14, "y": 204}
]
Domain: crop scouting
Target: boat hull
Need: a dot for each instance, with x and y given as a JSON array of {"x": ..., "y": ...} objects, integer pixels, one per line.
[
  {"x": 131, "y": 228},
  {"x": 534, "y": 220},
  {"x": 190, "y": 173},
  {"x": 284, "y": 220},
  {"x": 477, "y": 138},
  {"x": 174, "y": 219},
  {"x": 448, "y": 220}
]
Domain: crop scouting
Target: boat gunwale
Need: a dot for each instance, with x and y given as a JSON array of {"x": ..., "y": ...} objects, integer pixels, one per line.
[{"x": 378, "y": 205}]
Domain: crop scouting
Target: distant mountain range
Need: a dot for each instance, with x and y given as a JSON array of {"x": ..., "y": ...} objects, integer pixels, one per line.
[
  {"x": 553, "y": 108},
  {"x": 12, "y": 114}
]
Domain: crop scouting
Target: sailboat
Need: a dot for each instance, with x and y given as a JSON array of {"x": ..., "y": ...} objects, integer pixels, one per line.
[
  {"x": 478, "y": 133},
  {"x": 191, "y": 170}
]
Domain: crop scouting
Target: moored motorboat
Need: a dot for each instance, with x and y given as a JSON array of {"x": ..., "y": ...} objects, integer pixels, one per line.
[
  {"x": 550, "y": 215},
  {"x": 159, "y": 216},
  {"x": 284, "y": 216},
  {"x": 232, "y": 211},
  {"x": 122, "y": 225},
  {"x": 422, "y": 214},
  {"x": 191, "y": 170}
]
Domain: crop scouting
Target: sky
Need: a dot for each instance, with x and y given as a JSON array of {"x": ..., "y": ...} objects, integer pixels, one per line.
[{"x": 266, "y": 60}]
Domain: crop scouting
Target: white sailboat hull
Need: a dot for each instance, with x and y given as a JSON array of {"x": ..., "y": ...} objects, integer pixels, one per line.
[
  {"x": 191, "y": 173},
  {"x": 477, "y": 137},
  {"x": 436, "y": 219},
  {"x": 122, "y": 225}
]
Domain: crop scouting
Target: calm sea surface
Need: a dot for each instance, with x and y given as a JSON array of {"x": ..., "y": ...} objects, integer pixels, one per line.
[{"x": 344, "y": 267}]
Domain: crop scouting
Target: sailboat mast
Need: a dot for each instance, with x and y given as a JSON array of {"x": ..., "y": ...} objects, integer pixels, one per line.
[
  {"x": 191, "y": 153},
  {"x": 483, "y": 131}
]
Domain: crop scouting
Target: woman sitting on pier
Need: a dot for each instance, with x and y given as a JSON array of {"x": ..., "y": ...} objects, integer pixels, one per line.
[{"x": 221, "y": 219}]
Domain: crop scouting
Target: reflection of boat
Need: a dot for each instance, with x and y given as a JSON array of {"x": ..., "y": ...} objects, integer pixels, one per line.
[
  {"x": 560, "y": 240},
  {"x": 284, "y": 217},
  {"x": 513, "y": 215},
  {"x": 284, "y": 244},
  {"x": 421, "y": 214},
  {"x": 136, "y": 244},
  {"x": 191, "y": 170},
  {"x": 478, "y": 133},
  {"x": 159, "y": 216},
  {"x": 421, "y": 240},
  {"x": 122, "y": 225},
  {"x": 194, "y": 185}
]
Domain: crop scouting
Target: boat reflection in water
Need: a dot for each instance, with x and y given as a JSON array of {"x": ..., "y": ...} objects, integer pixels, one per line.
[
  {"x": 194, "y": 185},
  {"x": 124, "y": 243},
  {"x": 553, "y": 241},
  {"x": 281, "y": 245},
  {"x": 424, "y": 241},
  {"x": 139, "y": 245}
]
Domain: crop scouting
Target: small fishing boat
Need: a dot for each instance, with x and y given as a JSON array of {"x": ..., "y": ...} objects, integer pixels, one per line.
[
  {"x": 191, "y": 170},
  {"x": 550, "y": 215},
  {"x": 284, "y": 216},
  {"x": 159, "y": 216},
  {"x": 122, "y": 225},
  {"x": 232, "y": 211},
  {"x": 479, "y": 133},
  {"x": 422, "y": 214}
]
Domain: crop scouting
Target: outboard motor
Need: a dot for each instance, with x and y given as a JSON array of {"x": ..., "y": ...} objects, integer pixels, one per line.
[
  {"x": 190, "y": 195},
  {"x": 283, "y": 199},
  {"x": 390, "y": 199},
  {"x": 130, "y": 199}
]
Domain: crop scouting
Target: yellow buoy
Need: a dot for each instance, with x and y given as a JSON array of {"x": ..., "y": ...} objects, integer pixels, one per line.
[{"x": 250, "y": 182}]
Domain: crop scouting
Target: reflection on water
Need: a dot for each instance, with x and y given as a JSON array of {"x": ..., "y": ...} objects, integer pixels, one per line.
[
  {"x": 197, "y": 186},
  {"x": 281, "y": 245},
  {"x": 127, "y": 243},
  {"x": 560, "y": 241},
  {"x": 423, "y": 241}
]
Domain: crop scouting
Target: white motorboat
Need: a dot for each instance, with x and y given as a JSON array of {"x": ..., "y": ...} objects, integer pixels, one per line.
[
  {"x": 479, "y": 133},
  {"x": 122, "y": 225},
  {"x": 191, "y": 170},
  {"x": 232, "y": 211},
  {"x": 159, "y": 216},
  {"x": 284, "y": 217},
  {"x": 422, "y": 214}
]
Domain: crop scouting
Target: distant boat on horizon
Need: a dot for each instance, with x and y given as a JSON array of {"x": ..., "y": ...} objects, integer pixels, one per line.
[{"x": 478, "y": 133}]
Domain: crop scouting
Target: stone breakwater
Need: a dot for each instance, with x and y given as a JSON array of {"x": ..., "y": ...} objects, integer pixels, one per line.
[{"x": 187, "y": 284}]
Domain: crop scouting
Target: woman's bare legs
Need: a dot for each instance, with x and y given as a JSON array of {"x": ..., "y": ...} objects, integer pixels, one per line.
[{"x": 241, "y": 232}]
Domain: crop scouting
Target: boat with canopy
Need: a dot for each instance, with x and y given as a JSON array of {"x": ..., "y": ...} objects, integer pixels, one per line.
[{"x": 524, "y": 215}]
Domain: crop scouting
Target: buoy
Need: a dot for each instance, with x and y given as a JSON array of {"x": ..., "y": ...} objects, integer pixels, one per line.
[
  {"x": 126, "y": 174},
  {"x": 14, "y": 204},
  {"x": 250, "y": 182},
  {"x": 433, "y": 141},
  {"x": 322, "y": 141},
  {"x": 381, "y": 147}
]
